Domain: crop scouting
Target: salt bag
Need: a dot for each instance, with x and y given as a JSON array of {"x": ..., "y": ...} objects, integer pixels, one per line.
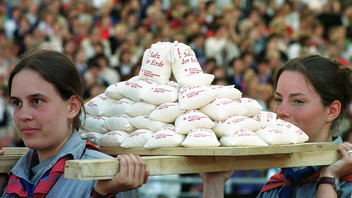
[
  {"x": 140, "y": 108},
  {"x": 273, "y": 136},
  {"x": 119, "y": 107},
  {"x": 120, "y": 122},
  {"x": 293, "y": 131},
  {"x": 112, "y": 138},
  {"x": 113, "y": 90},
  {"x": 227, "y": 91},
  {"x": 243, "y": 137},
  {"x": 95, "y": 124},
  {"x": 192, "y": 119},
  {"x": 233, "y": 124},
  {"x": 251, "y": 104},
  {"x": 98, "y": 104},
  {"x": 201, "y": 137},
  {"x": 165, "y": 137},
  {"x": 135, "y": 90},
  {"x": 137, "y": 139},
  {"x": 155, "y": 65},
  {"x": 266, "y": 118},
  {"x": 167, "y": 112},
  {"x": 195, "y": 96},
  {"x": 145, "y": 122},
  {"x": 162, "y": 93},
  {"x": 92, "y": 137},
  {"x": 200, "y": 79},
  {"x": 221, "y": 108}
]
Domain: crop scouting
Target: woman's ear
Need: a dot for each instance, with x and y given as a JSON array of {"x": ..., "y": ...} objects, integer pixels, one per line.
[
  {"x": 334, "y": 110},
  {"x": 74, "y": 107}
]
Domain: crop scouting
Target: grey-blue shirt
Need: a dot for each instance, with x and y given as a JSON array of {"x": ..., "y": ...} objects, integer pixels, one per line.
[{"x": 63, "y": 187}]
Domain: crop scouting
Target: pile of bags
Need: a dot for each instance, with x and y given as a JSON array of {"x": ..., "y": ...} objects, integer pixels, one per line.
[{"x": 171, "y": 103}]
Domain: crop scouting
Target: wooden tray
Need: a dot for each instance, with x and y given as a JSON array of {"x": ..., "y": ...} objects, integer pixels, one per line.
[
  {"x": 224, "y": 151},
  {"x": 196, "y": 160}
]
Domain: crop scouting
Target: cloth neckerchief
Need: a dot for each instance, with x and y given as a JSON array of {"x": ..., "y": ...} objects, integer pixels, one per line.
[
  {"x": 279, "y": 179},
  {"x": 22, "y": 188}
]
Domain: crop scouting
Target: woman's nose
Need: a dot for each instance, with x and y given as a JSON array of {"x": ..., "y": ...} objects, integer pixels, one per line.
[
  {"x": 25, "y": 113},
  {"x": 282, "y": 111}
]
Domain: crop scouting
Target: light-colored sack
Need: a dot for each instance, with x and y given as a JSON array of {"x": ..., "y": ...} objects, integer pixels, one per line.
[
  {"x": 243, "y": 137},
  {"x": 137, "y": 138},
  {"x": 167, "y": 112},
  {"x": 221, "y": 108},
  {"x": 199, "y": 79},
  {"x": 119, "y": 107},
  {"x": 162, "y": 93},
  {"x": 144, "y": 122},
  {"x": 135, "y": 90},
  {"x": 98, "y": 104},
  {"x": 155, "y": 65},
  {"x": 92, "y": 137},
  {"x": 201, "y": 137},
  {"x": 113, "y": 90},
  {"x": 266, "y": 118},
  {"x": 140, "y": 108},
  {"x": 120, "y": 122},
  {"x": 273, "y": 136},
  {"x": 251, "y": 104},
  {"x": 112, "y": 139},
  {"x": 293, "y": 131},
  {"x": 195, "y": 96},
  {"x": 165, "y": 137},
  {"x": 227, "y": 91},
  {"x": 95, "y": 124},
  {"x": 192, "y": 119},
  {"x": 233, "y": 124}
]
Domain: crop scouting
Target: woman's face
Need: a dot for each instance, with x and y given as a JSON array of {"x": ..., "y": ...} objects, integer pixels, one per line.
[
  {"x": 297, "y": 101},
  {"x": 40, "y": 114}
]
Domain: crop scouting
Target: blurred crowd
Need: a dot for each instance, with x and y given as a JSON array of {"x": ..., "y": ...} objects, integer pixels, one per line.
[{"x": 241, "y": 42}]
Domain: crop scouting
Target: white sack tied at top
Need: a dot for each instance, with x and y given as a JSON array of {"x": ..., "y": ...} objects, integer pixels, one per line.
[
  {"x": 155, "y": 65},
  {"x": 185, "y": 66},
  {"x": 165, "y": 137}
]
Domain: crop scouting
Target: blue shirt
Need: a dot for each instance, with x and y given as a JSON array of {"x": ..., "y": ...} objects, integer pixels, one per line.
[{"x": 63, "y": 187}]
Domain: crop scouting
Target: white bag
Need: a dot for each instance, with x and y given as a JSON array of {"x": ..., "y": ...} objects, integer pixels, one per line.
[
  {"x": 95, "y": 124},
  {"x": 137, "y": 138},
  {"x": 266, "y": 118},
  {"x": 162, "y": 93},
  {"x": 112, "y": 139},
  {"x": 221, "y": 108},
  {"x": 135, "y": 90},
  {"x": 120, "y": 122},
  {"x": 192, "y": 119},
  {"x": 154, "y": 63},
  {"x": 144, "y": 122},
  {"x": 140, "y": 108},
  {"x": 227, "y": 91},
  {"x": 199, "y": 79},
  {"x": 119, "y": 107},
  {"x": 195, "y": 96},
  {"x": 201, "y": 137},
  {"x": 92, "y": 137},
  {"x": 165, "y": 137},
  {"x": 98, "y": 104},
  {"x": 293, "y": 131},
  {"x": 273, "y": 136},
  {"x": 233, "y": 124},
  {"x": 251, "y": 104},
  {"x": 243, "y": 137},
  {"x": 113, "y": 91},
  {"x": 167, "y": 112}
]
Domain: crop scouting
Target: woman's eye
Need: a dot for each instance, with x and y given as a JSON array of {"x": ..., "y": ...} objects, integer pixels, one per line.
[
  {"x": 298, "y": 101},
  {"x": 37, "y": 101},
  {"x": 16, "y": 103},
  {"x": 277, "y": 100}
]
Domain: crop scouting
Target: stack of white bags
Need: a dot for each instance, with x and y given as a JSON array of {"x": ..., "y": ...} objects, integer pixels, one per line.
[{"x": 152, "y": 111}]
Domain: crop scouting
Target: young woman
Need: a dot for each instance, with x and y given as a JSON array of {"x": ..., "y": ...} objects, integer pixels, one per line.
[
  {"x": 313, "y": 93},
  {"x": 46, "y": 91}
]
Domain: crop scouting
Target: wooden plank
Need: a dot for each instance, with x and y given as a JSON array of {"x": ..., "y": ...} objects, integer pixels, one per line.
[
  {"x": 7, "y": 162},
  {"x": 225, "y": 151},
  {"x": 161, "y": 165},
  {"x": 14, "y": 150}
]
